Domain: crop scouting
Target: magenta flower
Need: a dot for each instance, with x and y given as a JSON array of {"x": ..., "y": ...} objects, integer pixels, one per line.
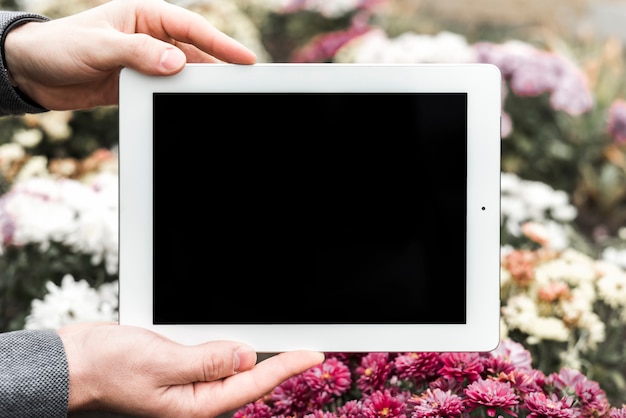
[
  {"x": 256, "y": 409},
  {"x": 383, "y": 404},
  {"x": 493, "y": 395},
  {"x": 332, "y": 377},
  {"x": 461, "y": 366},
  {"x": 323, "y": 47},
  {"x": 617, "y": 121},
  {"x": 373, "y": 372},
  {"x": 541, "y": 405},
  {"x": 618, "y": 413},
  {"x": 292, "y": 395},
  {"x": 436, "y": 403},
  {"x": 417, "y": 366},
  {"x": 515, "y": 353},
  {"x": 351, "y": 409}
]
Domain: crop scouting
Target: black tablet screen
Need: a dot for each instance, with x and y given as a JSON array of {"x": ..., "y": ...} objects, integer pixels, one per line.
[{"x": 309, "y": 208}]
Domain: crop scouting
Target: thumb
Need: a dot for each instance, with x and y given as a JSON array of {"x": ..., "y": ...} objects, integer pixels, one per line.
[
  {"x": 151, "y": 56},
  {"x": 205, "y": 362}
]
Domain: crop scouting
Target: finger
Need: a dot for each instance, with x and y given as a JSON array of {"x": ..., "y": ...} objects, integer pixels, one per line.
[
  {"x": 185, "y": 26},
  {"x": 253, "y": 384},
  {"x": 205, "y": 362}
]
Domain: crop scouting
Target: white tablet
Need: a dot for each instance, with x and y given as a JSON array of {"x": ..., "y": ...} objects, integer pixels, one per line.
[{"x": 332, "y": 207}]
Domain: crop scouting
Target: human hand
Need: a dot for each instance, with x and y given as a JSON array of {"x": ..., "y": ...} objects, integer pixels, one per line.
[
  {"x": 132, "y": 370},
  {"x": 74, "y": 62}
]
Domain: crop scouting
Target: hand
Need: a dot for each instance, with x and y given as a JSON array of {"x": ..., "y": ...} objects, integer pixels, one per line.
[
  {"x": 132, "y": 370},
  {"x": 74, "y": 62}
]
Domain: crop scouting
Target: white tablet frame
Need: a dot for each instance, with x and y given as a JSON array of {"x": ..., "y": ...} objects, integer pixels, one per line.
[{"x": 481, "y": 82}]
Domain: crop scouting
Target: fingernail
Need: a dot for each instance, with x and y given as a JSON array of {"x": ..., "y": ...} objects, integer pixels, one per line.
[
  {"x": 244, "y": 356},
  {"x": 173, "y": 59}
]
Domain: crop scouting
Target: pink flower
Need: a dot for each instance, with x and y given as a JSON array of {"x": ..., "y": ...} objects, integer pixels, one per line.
[
  {"x": 617, "y": 121},
  {"x": 618, "y": 413},
  {"x": 592, "y": 399},
  {"x": 256, "y": 409},
  {"x": 417, "y": 366},
  {"x": 323, "y": 47},
  {"x": 461, "y": 366},
  {"x": 436, "y": 403},
  {"x": 532, "y": 72},
  {"x": 292, "y": 395},
  {"x": 383, "y": 404},
  {"x": 515, "y": 353},
  {"x": 351, "y": 409},
  {"x": 541, "y": 405},
  {"x": 332, "y": 376},
  {"x": 493, "y": 395},
  {"x": 373, "y": 372}
]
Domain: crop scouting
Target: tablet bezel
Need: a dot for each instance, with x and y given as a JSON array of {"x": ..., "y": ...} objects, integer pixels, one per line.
[{"x": 481, "y": 83}]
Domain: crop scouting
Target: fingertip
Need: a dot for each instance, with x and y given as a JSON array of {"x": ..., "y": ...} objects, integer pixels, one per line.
[
  {"x": 172, "y": 60},
  {"x": 244, "y": 358}
]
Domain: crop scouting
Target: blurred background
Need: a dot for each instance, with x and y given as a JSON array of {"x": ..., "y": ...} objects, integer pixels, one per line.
[{"x": 563, "y": 162}]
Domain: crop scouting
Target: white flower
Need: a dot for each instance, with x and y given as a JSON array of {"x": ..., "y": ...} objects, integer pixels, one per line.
[
  {"x": 570, "y": 270},
  {"x": 523, "y": 201},
  {"x": 83, "y": 217},
  {"x": 546, "y": 328},
  {"x": 10, "y": 153},
  {"x": 36, "y": 166},
  {"x": 615, "y": 255},
  {"x": 409, "y": 47},
  {"x": 71, "y": 302},
  {"x": 28, "y": 138},
  {"x": 612, "y": 289}
]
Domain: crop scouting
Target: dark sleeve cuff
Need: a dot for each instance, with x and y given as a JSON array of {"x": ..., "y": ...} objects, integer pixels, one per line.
[
  {"x": 12, "y": 101},
  {"x": 34, "y": 376}
]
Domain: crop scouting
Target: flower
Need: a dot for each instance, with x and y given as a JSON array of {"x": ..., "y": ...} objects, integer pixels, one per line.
[
  {"x": 617, "y": 121},
  {"x": 521, "y": 391},
  {"x": 543, "y": 405},
  {"x": 70, "y": 302},
  {"x": 436, "y": 403},
  {"x": 493, "y": 395}
]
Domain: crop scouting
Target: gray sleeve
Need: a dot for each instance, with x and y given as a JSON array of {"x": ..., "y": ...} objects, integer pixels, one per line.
[
  {"x": 34, "y": 376},
  {"x": 12, "y": 102}
]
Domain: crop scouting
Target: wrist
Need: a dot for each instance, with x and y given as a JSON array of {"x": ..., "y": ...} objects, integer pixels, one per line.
[{"x": 13, "y": 51}]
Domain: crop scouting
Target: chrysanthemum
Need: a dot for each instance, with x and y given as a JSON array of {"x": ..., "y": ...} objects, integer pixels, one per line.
[
  {"x": 618, "y": 412},
  {"x": 541, "y": 405},
  {"x": 383, "y": 404},
  {"x": 515, "y": 353},
  {"x": 417, "y": 366},
  {"x": 351, "y": 409},
  {"x": 436, "y": 403},
  {"x": 461, "y": 366},
  {"x": 256, "y": 409},
  {"x": 291, "y": 396},
  {"x": 332, "y": 376},
  {"x": 493, "y": 395},
  {"x": 373, "y": 372}
]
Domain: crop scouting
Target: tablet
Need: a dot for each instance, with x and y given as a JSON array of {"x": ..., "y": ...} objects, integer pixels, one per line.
[{"x": 332, "y": 207}]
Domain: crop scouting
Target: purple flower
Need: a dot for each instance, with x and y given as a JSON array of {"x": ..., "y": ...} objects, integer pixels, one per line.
[
  {"x": 532, "y": 72},
  {"x": 617, "y": 121},
  {"x": 436, "y": 403},
  {"x": 493, "y": 395}
]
